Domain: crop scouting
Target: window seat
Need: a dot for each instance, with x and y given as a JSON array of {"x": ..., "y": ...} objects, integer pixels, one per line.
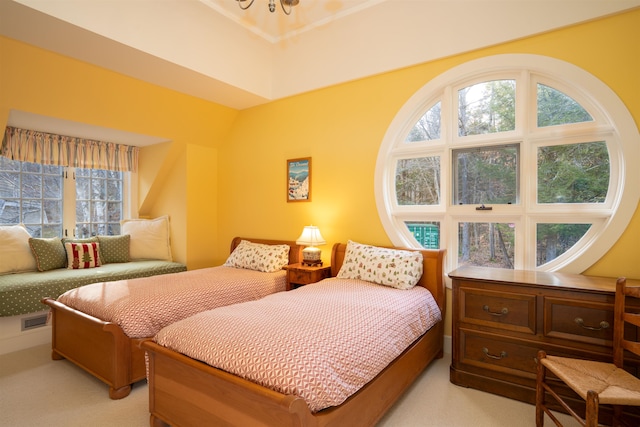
[{"x": 21, "y": 293}]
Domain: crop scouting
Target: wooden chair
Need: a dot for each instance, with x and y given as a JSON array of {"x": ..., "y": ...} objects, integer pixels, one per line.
[{"x": 596, "y": 382}]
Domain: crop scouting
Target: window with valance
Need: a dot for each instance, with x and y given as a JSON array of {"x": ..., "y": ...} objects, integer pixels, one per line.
[{"x": 59, "y": 185}]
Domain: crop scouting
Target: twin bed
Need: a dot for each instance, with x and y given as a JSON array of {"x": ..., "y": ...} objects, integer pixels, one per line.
[
  {"x": 338, "y": 352},
  {"x": 99, "y": 327}
]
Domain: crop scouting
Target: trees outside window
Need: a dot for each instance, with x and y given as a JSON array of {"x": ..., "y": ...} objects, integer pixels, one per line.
[
  {"x": 53, "y": 201},
  {"x": 508, "y": 163}
]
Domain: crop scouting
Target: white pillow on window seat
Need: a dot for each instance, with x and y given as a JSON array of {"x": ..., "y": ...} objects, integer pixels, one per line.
[
  {"x": 15, "y": 252},
  {"x": 149, "y": 238}
]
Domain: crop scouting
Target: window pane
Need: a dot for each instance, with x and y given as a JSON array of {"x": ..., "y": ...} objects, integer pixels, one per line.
[
  {"x": 487, "y": 175},
  {"x": 556, "y": 108},
  {"x": 428, "y": 127},
  {"x": 31, "y": 186},
  {"x": 576, "y": 173},
  {"x": 52, "y": 187},
  {"x": 31, "y": 212},
  {"x": 552, "y": 240},
  {"x": 486, "y": 244},
  {"x": 9, "y": 184},
  {"x": 31, "y": 193},
  {"x": 98, "y": 202},
  {"x": 427, "y": 233},
  {"x": 83, "y": 187},
  {"x": 487, "y": 107},
  {"x": 418, "y": 181}
]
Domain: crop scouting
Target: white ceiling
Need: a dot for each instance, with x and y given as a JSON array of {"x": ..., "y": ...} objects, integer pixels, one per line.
[{"x": 213, "y": 50}]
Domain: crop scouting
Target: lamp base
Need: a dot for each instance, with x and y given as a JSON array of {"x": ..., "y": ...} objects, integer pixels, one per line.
[{"x": 311, "y": 256}]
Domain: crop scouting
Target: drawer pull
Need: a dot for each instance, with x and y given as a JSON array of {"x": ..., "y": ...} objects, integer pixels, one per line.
[
  {"x": 502, "y": 312},
  {"x": 502, "y": 355},
  {"x": 603, "y": 325}
]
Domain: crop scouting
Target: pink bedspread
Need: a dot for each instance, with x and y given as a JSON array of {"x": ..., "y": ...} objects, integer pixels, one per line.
[
  {"x": 321, "y": 342},
  {"x": 141, "y": 307}
]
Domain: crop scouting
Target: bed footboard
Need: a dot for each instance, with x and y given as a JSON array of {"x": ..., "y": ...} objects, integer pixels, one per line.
[
  {"x": 100, "y": 348},
  {"x": 186, "y": 392}
]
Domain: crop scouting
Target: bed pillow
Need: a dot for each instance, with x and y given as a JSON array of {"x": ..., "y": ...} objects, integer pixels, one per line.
[
  {"x": 114, "y": 249},
  {"x": 15, "y": 253},
  {"x": 48, "y": 252},
  {"x": 149, "y": 238},
  {"x": 390, "y": 267},
  {"x": 82, "y": 255},
  {"x": 258, "y": 256}
]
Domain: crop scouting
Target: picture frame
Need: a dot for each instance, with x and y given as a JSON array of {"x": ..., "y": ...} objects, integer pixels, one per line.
[{"x": 299, "y": 180}]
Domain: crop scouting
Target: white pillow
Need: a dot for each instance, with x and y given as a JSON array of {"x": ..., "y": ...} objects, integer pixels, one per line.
[
  {"x": 390, "y": 267},
  {"x": 15, "y": 252},
  {"x": 257, "y": 256},
  {"x": 149, "y": 238}
]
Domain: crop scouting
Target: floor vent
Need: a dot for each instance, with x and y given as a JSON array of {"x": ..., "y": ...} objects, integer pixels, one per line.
[{"x": 34, "y": 322}]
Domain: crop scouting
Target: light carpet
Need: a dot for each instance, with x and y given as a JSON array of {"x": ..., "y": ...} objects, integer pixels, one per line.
[{"x": 37, "y": 391}]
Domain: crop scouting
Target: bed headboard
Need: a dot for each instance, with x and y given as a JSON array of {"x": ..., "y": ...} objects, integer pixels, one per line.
[
  {"x": 433, "y": 269},
  {"x": 295, "y": 251}
]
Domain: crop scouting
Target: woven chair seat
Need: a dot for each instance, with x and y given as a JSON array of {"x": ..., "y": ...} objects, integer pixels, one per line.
[{"x": 614, "y": 386}]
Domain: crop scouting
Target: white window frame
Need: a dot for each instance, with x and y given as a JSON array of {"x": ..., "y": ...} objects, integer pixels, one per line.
[
  {"x": 612, "y": 121},
  {"x": 129, "y": 199}
]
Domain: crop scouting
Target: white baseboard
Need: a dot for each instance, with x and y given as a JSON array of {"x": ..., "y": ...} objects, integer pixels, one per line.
[{"x": 13, "y": 338}]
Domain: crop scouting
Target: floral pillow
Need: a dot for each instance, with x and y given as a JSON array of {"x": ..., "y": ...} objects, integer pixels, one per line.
[
  {"x": 390, "y": 267},
  {"x": 257, "y": 256},
  {"x": 82, "y": 255}
]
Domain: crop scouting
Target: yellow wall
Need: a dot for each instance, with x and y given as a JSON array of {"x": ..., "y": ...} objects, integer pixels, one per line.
[
  {"x": 342, "y": 127},
  {"x": 223, "y": 173},
  {"x": 173, "y": 176}
]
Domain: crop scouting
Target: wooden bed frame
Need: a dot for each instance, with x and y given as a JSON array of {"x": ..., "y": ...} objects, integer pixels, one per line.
[
  {"x": 185, "y": 392},
  {"x": 102, "y": 348}
]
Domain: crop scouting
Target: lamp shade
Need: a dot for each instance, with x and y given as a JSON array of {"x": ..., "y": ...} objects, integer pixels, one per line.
[{"x": 311, "y": 237}]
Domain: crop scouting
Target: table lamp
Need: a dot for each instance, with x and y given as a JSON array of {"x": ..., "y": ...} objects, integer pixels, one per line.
[{"x": 311, "y": 237}]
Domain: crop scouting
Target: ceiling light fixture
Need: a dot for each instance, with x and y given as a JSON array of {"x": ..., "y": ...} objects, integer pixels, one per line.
[{"x": 286, "y": 5}]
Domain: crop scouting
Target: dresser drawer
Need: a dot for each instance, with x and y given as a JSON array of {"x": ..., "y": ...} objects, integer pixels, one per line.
[
  {"x": 498, "y": 353},
  {"x": 508, "y": 311},
  {"x": 576, "y": 320}
]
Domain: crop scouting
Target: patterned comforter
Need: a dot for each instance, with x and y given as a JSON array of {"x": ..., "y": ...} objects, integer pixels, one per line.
[
  {"x": 321, "y": 342},
  {"x": 141, "y": 307}
]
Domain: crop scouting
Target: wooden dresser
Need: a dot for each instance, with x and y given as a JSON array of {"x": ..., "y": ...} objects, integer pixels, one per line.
[{"x": 501, "y": 318}]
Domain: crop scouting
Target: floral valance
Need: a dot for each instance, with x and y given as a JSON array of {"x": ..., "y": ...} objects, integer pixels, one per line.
[{"x": 50, "y": 149}]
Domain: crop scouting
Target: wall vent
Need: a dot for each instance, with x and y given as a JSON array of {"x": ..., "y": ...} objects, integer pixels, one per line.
[{"x": 34, "y": 322}]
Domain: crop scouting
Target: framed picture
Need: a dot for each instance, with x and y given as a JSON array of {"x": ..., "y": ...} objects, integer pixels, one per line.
[{"x": 299, "y": 180}]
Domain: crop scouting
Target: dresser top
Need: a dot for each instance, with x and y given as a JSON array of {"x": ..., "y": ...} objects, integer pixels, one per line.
[{"x": 539, "y": 278}]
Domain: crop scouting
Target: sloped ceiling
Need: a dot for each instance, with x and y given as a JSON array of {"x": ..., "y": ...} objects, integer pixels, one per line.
[{"x": 213, "y": 50}]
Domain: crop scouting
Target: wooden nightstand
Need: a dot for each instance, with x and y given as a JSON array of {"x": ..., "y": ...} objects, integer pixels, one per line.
[{"x": 300, "y": 275}]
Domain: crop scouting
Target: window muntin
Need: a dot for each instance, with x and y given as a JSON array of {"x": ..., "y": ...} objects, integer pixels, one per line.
[
  {"x": 31, "y": 194},
  {"x": 552, "y": 240},
  {"x": 486, "y": 244},
  {"x": 486, "y": 175},
  {"x": 427, "y": 127},
  {"x": 418, "y": 181},
  {"x": 426, "y": 233},
  {"x": 486, "y": 107},
  {"x": 606, "y": 220},
  {"x": 573, "y": 173},
  {"x": 38, "y": 195},
  {"x": 556, "y": 108},
  {"x": 99, "y": 202}
]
